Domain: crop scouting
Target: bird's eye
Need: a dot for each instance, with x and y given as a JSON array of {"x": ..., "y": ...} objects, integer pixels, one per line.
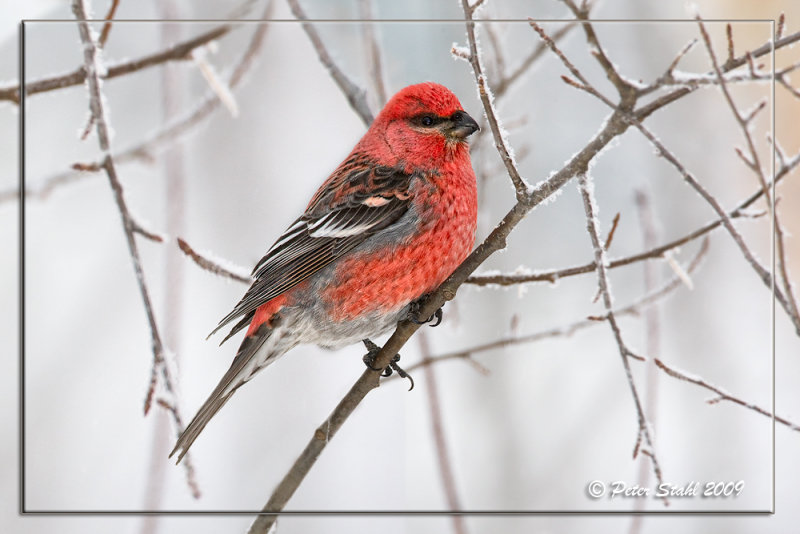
[{"x": 427, "y": 120}]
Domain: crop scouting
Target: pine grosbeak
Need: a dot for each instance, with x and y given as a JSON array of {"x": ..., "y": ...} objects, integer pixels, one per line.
[{"x": 389, "y": 225}]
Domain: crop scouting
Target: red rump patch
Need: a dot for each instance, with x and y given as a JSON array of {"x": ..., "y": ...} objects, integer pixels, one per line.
[{"x": 266, "y": 312}]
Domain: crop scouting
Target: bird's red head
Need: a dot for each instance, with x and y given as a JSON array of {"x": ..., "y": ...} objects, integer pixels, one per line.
[{"x": 421, "y": 126}]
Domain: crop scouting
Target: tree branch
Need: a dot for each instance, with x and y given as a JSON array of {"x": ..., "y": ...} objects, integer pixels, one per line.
[
  {"x": 93, "y": 67},
  {"x": 520, "y": 185},
  {"x": 590, "y": 208},
  {"x": 173, "y": 132},
  {"x": 178, "y": 52},
  {"x": 356, "y": 96}
]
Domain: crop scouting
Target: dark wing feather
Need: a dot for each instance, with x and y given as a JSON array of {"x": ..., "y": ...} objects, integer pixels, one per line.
[{"x": 359, "y": 199}]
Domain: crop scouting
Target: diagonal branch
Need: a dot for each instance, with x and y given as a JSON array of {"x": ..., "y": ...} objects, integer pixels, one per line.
[
  {"x": 178, "y": 52},
  {"x": 520, "y": 185},
  {"x": 586, "y": 189},
  {"x": 654, "y": 253},
  {"x": 356, "y": 96},
  {"x": 173, "y": 132},
  {"x": 93, "y": 68},
  {"x": 755, "y": 166}
]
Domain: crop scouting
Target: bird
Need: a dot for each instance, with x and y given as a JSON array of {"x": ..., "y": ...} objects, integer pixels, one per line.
[{"x": 384, "y": 230}]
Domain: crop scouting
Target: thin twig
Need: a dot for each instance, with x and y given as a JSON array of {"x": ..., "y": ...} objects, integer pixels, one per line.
[
  {"x": 602, "y": 280},
  {"x": 178, "y": 52},
  {"x": 96, "y": 106},
  {"x": 106, "y": 31},
  {"x": 635, "y": 308},
  {"x": 755, "y": 165},
  {"x": 520, "y": 185},
  {"x": 722, "y": 394},
  {"x": 634, "y": 120},
  {"x": 762, "y": 273},
  {"x": 164, "y": 138},
  {"x": 210, "y": 265},
  {"x": 356, "y": 96},
  {"x": 767, "y": 48},
  {"x": 538, "y": 51},
  {"x": 625, "y": 89},
  {"x": 654, "y": 253}
]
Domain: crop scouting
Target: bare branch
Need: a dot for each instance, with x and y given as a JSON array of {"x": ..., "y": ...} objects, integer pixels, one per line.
[
  {"x": 211, "y": 265},
  {"x": 767, "y": 48},
  {"x": 765, "y": 276},
  {"x": 356, "y": 96},
  {"x": 520, "y": 185},
  {"x": 162, "y": 139},
  {"x": 722, "y": 394},
  {"x": 91, "y": 66},
  {"x": 624, "y": 88},
  {"x": 538, "y": 51},
  {"x": 178, "y": 52},
  {"x": 602, "y": 280},
  {"x": 635, "y": 308},
  {"x": 755, "y": 165}
]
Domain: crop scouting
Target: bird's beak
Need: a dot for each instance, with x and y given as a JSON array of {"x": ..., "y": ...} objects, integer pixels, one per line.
[{"x": 461, "y": 126}]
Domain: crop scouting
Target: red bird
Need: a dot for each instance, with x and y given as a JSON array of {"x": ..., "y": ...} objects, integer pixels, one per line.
[{"x": 389, "y": 225}]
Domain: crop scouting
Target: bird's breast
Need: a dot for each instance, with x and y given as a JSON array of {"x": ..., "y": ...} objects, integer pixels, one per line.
[{"x": 383, "y": 276}]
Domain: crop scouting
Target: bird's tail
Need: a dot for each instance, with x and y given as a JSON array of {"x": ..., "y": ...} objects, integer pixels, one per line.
[{"x": 248, "y": 361}]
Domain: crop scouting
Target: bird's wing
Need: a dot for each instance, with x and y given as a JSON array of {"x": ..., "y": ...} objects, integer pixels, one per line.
[{"x": 359, "y": 199}]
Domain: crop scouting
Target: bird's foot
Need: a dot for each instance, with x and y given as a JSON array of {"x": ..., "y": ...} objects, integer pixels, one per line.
[
  {"x": 369, "y": 359},
  {"x": 413, "y": 312}
]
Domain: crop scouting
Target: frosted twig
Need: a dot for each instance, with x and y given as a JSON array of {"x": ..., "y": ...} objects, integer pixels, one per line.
[
  {"x": 635, "y": 308},
  {"x": 170, "y": 134},
  {"x": 178, "y": 52},
  {"x": 722, "y": 394},
  {"x": 625, "y": 89},
  {"x": 602, "y": 281},
  {"x": 191, "y": 477},
  {"x": 767, "y": 48},
  {"x": 520, "y": 185},
  {"x": 538, "y": 51},
  {"x": 763, "y": 274},
  {"x": 356, "y": 96},
  {"x": 635, "y": 120},
  {"x": 758, "y": 170},
  {"x": 97, "y": 108},
  {"x": 211, "y": 265}
]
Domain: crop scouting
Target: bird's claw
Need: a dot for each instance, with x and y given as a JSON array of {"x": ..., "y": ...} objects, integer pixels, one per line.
[
  {"x": 369, "y": 359},
  {"x": 413, "y": 313}
]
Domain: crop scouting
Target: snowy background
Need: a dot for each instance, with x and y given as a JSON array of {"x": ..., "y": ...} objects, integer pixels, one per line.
[{"x": 547, "y": 419}]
